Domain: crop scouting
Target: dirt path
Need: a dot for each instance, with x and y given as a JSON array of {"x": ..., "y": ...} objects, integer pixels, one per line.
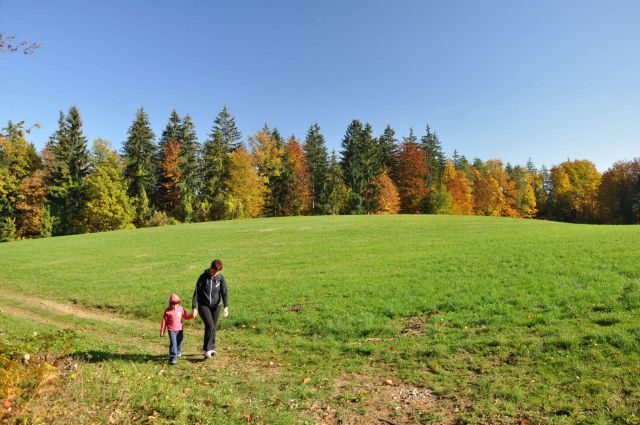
[{"x": 72, "y": 310}]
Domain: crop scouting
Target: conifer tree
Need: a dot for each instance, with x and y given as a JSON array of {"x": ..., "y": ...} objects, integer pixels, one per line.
[
  {"x": 337, "y": 192},
  {"x": 435, "y": 158},
  {"x": 66, "y": 173},
  {"x": 389, "y": 151},
  {"x": 140, "y": 169},
  {"x": 361, "y": 167},
  {"x": 315, "y": 152},
  {"x": 190, "y": 183},
  {"x": 214, "y": 168},
  {"x": 225, "y": 123}
]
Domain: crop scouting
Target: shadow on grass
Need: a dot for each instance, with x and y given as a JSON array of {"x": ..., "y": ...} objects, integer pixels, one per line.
[{"x": 97, "y": 356}]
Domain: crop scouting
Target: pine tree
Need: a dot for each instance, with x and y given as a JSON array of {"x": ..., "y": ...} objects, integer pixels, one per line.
[
  {"x": 337, "y": 193},
  {"x": 214, "y": 166},
  {"x": 435, "y": 158},
  {"x": 225, "y": 123},
  {"x": 317, "y": 162},
  {"x": 190, "y": 183},
  {"x": 108, "y": 205},
  {"x": 389, "y": 151},
  {"x": 140, "y": 169},
  {"x": 66, "y": 173},
  {"x": 361, "y": 166}
]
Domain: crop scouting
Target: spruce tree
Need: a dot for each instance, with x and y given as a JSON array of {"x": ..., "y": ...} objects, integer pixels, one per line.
[
  {"x": 361, "y": 166},
  {"x": 317, "y": 161},
  {"x": 435, "y": 158},
  {"x": 389, "y": 151},
  {"x": 140, "y": 170},
  {"x": 337, "y": 192},
  {"x": 190, "y": 184},
  {"x": 214, "y": 169},
  {"x": 68, "y": 168},
  {"x": 225, "y": 123}
]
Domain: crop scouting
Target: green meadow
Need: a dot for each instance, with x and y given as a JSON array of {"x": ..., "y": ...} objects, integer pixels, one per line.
[{"x": 346, "y": 319}]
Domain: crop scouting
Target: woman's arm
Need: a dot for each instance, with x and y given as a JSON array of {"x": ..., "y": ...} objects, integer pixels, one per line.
[{"x": 194, "y": 299}]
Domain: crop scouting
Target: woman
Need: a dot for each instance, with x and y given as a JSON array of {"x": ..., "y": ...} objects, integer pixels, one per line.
[{"x": 211, "y": 288}]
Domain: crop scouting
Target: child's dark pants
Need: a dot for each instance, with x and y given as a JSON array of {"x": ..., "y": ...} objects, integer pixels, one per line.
[
  {"x": 210, "y": 318},
  {"x": 175, "y": 344}
]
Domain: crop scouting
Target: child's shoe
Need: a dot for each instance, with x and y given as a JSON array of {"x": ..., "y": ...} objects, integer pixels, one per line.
[{"x": 173, "y": 361}]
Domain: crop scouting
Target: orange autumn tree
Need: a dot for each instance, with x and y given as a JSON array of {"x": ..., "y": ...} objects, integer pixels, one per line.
[
  {"x": 460, "y": 188},
  {"x": 244, "y": 189},
  {"x": 298, "y": 198},
  {"x": 506, "y": 206},
  {"x": 411, "y": 176},
  {"x": 388, "y": 197},
  {"x": 30, "y": 204},
  {"x": 170, "y": 178}
]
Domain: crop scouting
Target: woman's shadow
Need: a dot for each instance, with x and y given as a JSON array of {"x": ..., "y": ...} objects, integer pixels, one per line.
[{"x": 97, "y": 356}]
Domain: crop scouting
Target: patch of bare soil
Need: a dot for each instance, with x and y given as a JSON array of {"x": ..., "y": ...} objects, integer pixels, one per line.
[
  {"x": 415, "y": 325},
  {"x": 363, "y": 399}
]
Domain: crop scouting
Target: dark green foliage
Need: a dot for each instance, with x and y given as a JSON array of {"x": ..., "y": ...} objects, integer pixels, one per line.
[
  {"x": 388, "y": 145},
  {"x": 435, "y": 158},
  {"x": 460, "y": 162},
  {"x": 140, "y": 170},
  {"x": 190, "y": 184},
  {"x": 316, "y": 154},
  {"x": 361, "y": 166},
  {"x": 66, "y": 172},
  {"x": 214, "y": 168},
  {"x": 225, "y": 123},
  {"x": 214, "y": 165},
  {"x": 336, "y": 192}
]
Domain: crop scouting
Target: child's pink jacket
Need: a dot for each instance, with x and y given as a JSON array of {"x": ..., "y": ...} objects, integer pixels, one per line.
[{"x": 172, "y": 318}]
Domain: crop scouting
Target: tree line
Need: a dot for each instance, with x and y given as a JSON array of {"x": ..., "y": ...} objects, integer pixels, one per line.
[{"x": 68, "y": 188}]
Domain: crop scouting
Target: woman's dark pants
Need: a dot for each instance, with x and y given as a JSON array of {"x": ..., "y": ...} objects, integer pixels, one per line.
[{"x": 210, "y": 318}]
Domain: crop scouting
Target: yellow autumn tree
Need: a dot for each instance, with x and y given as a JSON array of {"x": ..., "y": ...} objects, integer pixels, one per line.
[
  {"x": 244, "y": 189},
  {"x": 460, "y": 189},
  {"x": 388, "y": 197}
]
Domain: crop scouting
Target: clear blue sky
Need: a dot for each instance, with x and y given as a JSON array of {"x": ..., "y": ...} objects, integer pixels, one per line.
[{"x": 549, "y": 80}]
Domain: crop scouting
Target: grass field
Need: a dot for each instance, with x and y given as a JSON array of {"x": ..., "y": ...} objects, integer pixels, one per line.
[{"x": 351, "y": 319}]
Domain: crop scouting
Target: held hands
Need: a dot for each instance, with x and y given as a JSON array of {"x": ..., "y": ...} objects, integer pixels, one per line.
[
  {"x": 225, "y": 312},
  {"x": 194, "y": 312}
]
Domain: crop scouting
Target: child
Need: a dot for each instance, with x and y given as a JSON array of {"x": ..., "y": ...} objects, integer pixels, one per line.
[{"x": 172, "y": 320}]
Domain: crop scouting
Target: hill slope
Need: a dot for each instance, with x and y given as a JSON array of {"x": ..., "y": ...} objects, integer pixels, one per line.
[{"x": 479, "y": 318}]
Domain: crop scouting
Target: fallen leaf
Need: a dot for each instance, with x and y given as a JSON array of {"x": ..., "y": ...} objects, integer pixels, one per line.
[
  {"x": 305, "y": 380},
  {"x": 387, "y": 382}
]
